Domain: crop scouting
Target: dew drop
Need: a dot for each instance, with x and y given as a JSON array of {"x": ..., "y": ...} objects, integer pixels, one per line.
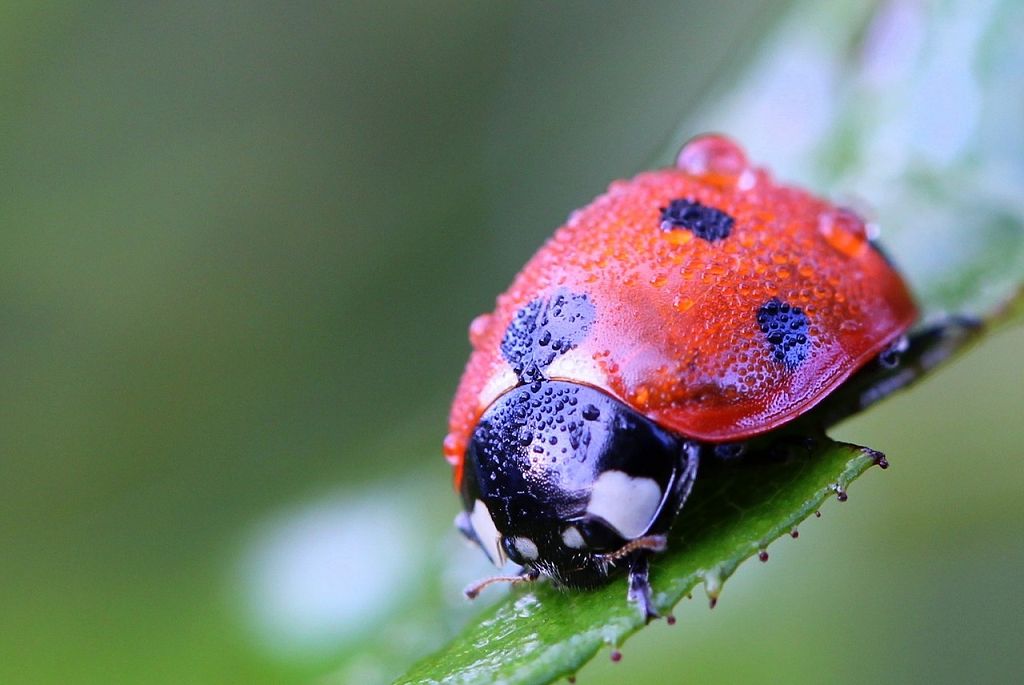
[
  {"x": 478, "y": 329},
  {"x": 616, "y": 655},
  {"x": 712, "y": 155},
  {"x": 763, "y": 555},
  {"x": 452, "y": 448},
  {"x": 712, "y": 588},
  {"x": 678, "y": 237},
  {"x": 844, "y": 231},
  {"x": 682, "y": 304}
]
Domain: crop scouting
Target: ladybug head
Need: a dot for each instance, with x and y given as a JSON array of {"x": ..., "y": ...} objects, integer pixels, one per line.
[{"x": 571, "y": 483}]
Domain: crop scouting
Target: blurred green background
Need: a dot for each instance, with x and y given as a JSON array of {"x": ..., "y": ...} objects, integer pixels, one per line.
[{"x": 242, "y": 243}]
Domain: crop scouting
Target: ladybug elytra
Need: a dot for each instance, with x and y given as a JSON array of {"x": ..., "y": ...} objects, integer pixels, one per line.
[{"x": 679, "y": 315}]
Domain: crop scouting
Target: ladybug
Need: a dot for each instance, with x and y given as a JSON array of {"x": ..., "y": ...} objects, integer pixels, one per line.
[{"x": 677, "y": 317}]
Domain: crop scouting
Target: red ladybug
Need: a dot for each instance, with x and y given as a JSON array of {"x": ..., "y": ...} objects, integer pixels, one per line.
[{"x": 678, "y": 315}]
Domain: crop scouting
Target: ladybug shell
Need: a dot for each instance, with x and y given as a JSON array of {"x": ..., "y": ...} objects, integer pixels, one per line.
[{"x": 704, "y": 296}]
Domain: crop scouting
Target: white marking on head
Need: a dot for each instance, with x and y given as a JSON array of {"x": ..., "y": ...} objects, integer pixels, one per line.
[
  {"x": 526, "y": 547},
  {"x": 500, "y": 382},
  {"x": 572, "y": 538},
  {"x": 627, "y": 504},
  {"x": 487, "y": 533}
]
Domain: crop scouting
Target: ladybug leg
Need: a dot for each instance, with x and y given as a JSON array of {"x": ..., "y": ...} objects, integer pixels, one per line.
[
  {"x": 638, "y": 551},
  {"x": 898, "y": 366},
  {"x": 640, "y": 588},
  {"x": 890, "y": 357},
  {"x": 690, "y": 457},
  {"x": 729, "y": 451}
]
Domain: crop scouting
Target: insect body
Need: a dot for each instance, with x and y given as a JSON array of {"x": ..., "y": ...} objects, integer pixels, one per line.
[{"x": 695, "y": 306}]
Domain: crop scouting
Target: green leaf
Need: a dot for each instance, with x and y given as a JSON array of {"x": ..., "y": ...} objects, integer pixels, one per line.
[
  {"x": 844, "y": 97},
  {"x": 540, "y": 634}
]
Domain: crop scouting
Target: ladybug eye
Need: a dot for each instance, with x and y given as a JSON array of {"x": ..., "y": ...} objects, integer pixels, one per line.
[{"x": 520, "y": 549}]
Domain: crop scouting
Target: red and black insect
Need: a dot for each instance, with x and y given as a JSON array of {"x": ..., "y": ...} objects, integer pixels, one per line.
[{"x": 681, "y": 314}]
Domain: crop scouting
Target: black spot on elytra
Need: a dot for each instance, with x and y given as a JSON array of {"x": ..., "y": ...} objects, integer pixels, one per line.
[
  {"x": 785, "y": 329},
  {"x": 705, "y": 222},
  {"x": 543, "y": 329}
]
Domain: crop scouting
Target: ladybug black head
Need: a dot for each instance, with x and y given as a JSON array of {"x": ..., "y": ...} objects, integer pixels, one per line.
[{"x": 568, "y": 482}]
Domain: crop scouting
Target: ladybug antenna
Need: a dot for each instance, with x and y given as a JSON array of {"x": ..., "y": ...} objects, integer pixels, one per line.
[{"x": 526, "y": 577}]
